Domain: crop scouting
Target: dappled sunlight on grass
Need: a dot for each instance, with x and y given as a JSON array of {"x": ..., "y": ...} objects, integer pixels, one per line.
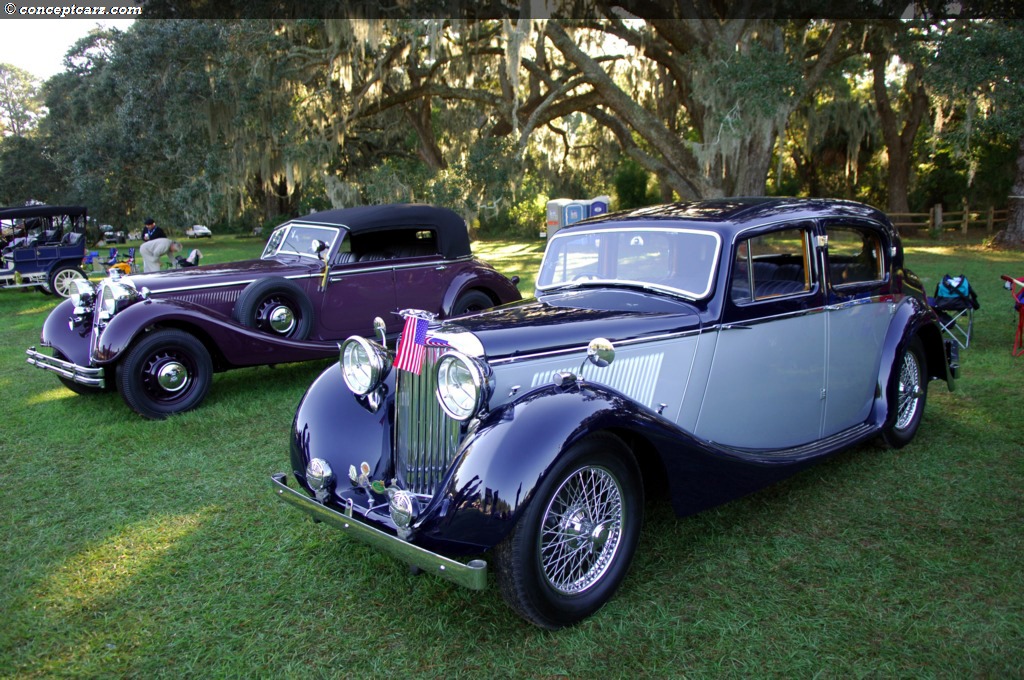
[
  {"x": 41, "y": 309},
  {"x": 55, "y": 394},
  {"x": 91, "y": 577}
]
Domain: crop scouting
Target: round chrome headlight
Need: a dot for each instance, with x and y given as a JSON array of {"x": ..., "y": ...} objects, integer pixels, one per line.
[
  {"x": 112, "y": 295},
  {"x": 364, "y": 364},
  {"x": 462, "y": 387},
  {"x": 82, "y": 293}
]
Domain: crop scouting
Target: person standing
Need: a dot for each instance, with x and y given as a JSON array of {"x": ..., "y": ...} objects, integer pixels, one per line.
[
  {"x": 153, "y": 250},
  {"x": 150, "y": 231}
]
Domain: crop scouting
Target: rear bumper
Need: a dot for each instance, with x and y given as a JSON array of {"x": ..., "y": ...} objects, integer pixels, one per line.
[
  {"x": 83, "y": 375},
  {"x": 471, "y": 575}
]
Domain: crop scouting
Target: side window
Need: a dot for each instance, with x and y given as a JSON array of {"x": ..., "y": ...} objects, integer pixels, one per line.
[
  {"x": 854, "y": 255},
  {"x": 772, "y": 265}
]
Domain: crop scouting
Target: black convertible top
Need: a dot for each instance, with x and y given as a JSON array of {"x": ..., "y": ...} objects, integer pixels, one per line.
[
  {"x": 451, "y": 230},
  {"x": 25, "y": 211}
]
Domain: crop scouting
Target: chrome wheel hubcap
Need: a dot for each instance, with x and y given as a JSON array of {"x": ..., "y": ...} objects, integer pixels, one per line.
[
  {"x": 281, "y": 319},
  {"x": 172, "y": 376}
]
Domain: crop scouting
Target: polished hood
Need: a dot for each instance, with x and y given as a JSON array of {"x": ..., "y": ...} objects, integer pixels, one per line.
[
  {"x": 222, "y": 274},
  {"x": 571, "y": 319}
]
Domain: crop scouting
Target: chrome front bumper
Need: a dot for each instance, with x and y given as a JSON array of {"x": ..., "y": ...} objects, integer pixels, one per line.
[
  {"x": 471, "y": 575},
  {"x": 92, "y": 377}
]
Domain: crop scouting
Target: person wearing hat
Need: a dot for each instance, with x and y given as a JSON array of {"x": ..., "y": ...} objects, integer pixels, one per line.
[{"x": 151, "y": 232}]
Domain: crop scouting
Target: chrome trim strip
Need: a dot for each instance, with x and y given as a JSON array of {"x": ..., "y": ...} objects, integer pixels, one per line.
[
  {"x": 316, "y": 275},
  {"x": 91, "y": 377},
  {"x": 471, "y": 575}
]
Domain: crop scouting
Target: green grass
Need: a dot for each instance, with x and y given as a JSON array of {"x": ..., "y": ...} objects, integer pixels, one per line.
[{"x": 133, "y": 548}]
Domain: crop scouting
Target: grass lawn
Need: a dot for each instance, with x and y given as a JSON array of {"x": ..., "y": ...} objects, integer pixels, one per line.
[{"x": 132, "y": 548}]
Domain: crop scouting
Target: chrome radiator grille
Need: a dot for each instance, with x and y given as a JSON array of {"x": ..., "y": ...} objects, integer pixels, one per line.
[{"x": 425, "y": 438}]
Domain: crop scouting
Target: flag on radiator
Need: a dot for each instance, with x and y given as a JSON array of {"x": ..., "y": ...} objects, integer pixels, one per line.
[{"x": 413, "y": 345}]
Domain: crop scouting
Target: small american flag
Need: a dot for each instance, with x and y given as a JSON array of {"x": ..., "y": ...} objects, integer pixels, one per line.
[{"x": 413, "y": 345}]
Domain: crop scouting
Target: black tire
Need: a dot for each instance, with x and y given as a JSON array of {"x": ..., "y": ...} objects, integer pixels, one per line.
[
  {"x": 166, "y": 372},
  {"x": 590, "y": 505},
  {"x": 471, "y": 301},
  {"x": 61, "y": 278},
  {"x": 276, "y": 306},
  {"x": 907, "y": 392}
]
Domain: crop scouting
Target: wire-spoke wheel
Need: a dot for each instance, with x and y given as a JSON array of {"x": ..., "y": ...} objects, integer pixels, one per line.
[
  {"x": 907, "y": 393},
  {"x": 581, "y": 530},
  {"x": 573, "y": 545}
]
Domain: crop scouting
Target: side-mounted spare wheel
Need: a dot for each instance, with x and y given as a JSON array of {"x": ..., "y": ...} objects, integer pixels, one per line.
[
  {"x": 277, "y": 306},
  {"x": 573, "y": 546},
  {"x": 165, "y": 372}
]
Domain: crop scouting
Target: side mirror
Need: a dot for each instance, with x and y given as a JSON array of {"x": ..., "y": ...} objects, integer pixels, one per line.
[{"x": 381, "y": 329}]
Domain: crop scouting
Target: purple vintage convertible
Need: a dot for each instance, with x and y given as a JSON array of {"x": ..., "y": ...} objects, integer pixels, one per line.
[{"x": 159, "y": 338}]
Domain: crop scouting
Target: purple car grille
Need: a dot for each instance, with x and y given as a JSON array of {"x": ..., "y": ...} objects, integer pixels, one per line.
[{"x": 425, "y": 438}]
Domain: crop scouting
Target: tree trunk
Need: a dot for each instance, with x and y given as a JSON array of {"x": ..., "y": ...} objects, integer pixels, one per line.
[
  {"x": 899, "y": 143},
  {"x": 1012, "y": 237}
]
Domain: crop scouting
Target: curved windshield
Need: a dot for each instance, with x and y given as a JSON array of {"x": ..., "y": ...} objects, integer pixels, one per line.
[
  {"x": 297, "y": 239},
  {"x": 680, "y": 261}
]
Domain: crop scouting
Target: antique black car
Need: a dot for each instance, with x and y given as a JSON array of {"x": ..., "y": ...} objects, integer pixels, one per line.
[
  {"x": 160, "y": 337},
  {"x": 703, "y": 349},
  {"x": 42, "y": 246}
]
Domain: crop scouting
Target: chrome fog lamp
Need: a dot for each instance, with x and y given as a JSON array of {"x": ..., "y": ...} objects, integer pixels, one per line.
[
  {"x": 82, "y": 294},
  {"x": 462, "y": 387},
  {"x": 403, "y": 507},
  {"x": 364, "y": 364},
  {"x": 319, "y": 474}
]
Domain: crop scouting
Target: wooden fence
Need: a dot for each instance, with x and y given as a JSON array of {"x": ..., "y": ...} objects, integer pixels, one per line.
[{"x": 937, "y": 221}]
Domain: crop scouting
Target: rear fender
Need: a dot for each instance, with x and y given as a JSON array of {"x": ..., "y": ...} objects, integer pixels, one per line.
[
  {"x": 912, "y": 318},
  {"x": 489, "y": 281}
]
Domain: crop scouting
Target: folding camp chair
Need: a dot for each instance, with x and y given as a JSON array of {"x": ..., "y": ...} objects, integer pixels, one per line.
[
  {"x": 955, "y": 302},
  {"x": 1016, "y": 288}
]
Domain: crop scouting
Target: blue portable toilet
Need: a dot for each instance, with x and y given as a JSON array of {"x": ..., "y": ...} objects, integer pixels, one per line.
[
  {"x": 599, "y": 205},
  {"x": 574, "y": 212}
]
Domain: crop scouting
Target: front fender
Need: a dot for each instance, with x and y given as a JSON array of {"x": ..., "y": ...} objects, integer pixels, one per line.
[
  {"x": 73, "y": 343},
  {"x": 235, "y": 344},
  {"x": 503, "y": 460},
  {"x": 334, "y": 424}
]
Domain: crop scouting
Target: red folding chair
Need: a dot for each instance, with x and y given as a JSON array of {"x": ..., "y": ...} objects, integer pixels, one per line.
[{"x": 1016, "y": 288}]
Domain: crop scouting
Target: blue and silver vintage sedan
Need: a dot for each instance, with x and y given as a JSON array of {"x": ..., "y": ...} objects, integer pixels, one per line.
[{"x": 705, "y": 350}]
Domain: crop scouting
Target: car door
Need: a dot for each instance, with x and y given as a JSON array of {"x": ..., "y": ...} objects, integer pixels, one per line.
[
  {"x": 421, "y": 273},
  {"x": 767, "y": 379},
  {"x": 358, "y": 290},
  {"x": 859, "y": 310}
]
